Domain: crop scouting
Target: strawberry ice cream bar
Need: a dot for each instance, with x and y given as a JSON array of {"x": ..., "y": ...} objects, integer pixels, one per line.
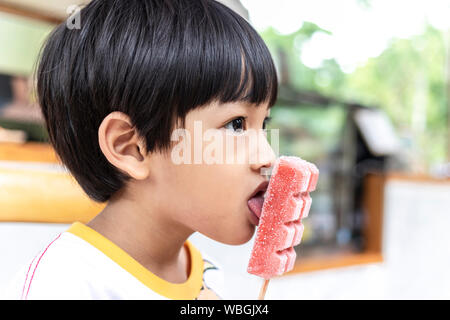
[{"x": 286, "y": 202}]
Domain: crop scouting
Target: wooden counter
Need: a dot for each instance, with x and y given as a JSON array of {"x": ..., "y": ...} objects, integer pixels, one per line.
[
  {"x": 35, "y": 187},
  {"x": 29, "y": 152}
]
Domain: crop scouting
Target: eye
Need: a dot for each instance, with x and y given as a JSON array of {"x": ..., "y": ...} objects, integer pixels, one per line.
[
  {"x": 266, "y": 122},
  {"x": 236, "y": 124}
]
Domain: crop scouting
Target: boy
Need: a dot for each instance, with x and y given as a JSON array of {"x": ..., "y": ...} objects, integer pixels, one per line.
[{"x": 112, "y": 93}]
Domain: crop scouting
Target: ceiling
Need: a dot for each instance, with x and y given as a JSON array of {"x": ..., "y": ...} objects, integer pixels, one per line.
[{"x": 56, "y": 10}]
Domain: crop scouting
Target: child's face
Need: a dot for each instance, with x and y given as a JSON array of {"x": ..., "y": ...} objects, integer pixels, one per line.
[{"x": 212, "y": 198}]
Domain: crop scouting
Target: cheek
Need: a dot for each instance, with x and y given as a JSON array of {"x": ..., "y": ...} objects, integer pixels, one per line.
[
  {"x": 218, "y": 207},
  {"x": 212, "y": 188},
  {"x": 210, "y": 199}
]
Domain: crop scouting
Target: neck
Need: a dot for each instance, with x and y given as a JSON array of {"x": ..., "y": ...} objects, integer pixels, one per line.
[{"x": 146, "y": 235}]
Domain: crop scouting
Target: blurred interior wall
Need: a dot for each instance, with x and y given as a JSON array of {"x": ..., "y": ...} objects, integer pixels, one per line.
[{"x": 237, "y": 6}]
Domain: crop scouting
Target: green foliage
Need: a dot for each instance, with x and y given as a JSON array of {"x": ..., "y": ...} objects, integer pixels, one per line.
[
  {"x": 300, "y": 75},
  {"x": 407, "y": 80},
  {"x": 309, "y": 132}
]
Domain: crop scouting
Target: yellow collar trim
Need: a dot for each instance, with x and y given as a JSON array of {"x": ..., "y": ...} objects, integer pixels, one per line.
[{"x": 176, "y": 291}]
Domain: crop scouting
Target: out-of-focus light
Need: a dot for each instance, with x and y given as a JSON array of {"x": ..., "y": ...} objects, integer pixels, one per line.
[{"x": 358, "y": 32}]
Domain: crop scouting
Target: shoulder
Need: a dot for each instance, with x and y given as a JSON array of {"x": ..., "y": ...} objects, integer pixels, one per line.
[{"x": 59, "y": 271}]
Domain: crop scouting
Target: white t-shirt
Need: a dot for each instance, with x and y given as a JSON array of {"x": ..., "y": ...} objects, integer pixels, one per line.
[{"x": 80, "y": 263}]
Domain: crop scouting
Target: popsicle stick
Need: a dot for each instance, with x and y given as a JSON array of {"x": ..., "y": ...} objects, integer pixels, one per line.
[{"x": 262, "y": 293}]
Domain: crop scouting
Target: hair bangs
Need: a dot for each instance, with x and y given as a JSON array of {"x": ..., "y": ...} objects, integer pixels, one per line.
[{"x": 235, "y": 64}]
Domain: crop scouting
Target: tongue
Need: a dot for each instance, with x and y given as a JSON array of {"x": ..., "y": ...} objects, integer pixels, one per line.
[{"x": 255, "y": 204}]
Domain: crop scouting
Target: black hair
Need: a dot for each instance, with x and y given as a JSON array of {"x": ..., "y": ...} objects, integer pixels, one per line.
[{"x": 154, "y": 60}]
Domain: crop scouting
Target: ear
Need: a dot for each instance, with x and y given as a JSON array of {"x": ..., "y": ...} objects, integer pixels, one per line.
[{"x": 120, "y": 143}]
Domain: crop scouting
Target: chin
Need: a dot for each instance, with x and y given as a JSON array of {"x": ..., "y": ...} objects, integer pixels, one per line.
[
  {"x": 242, "y": 237},
  {"x": 235, "y": 234}
]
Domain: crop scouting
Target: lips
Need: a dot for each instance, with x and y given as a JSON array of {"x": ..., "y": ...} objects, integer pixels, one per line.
[{"x": 256, "y": 200}]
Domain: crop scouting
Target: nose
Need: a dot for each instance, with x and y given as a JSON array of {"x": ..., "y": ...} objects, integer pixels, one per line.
[{"x": 263, "y": 157}]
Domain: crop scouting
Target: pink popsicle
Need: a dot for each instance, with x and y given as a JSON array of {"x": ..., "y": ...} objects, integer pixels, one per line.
[{"x": 286, "y": 202}]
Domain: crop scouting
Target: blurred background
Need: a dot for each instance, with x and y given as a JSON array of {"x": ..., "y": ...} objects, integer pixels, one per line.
[{"x": 364, "y": 94}]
